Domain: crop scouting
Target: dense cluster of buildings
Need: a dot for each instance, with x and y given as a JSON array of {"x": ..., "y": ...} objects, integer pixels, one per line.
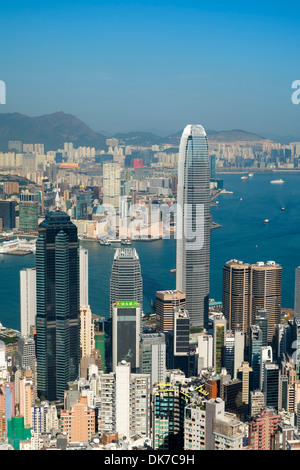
[{"x": 206, "y": 376}]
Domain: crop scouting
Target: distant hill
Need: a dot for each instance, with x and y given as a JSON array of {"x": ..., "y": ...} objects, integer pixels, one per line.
[
  {"x": 51, "y": 129},
  {"x": 236, "y": 135},
  {"x": 139, "y": 138}
]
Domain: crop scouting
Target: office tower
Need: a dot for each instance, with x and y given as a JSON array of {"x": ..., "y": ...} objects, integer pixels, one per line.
[
  {"x": 236, "y": 292},
  {"x": 181, "y": 345},
  {"x": 111, "y": 188},
  {"x": 7, "y": 215},
  {"x": 266, "y": 293},
  {"x": 262, "y": 427},
  {"x": 27, "y": 300},
  {"x": 193, "y": 223},
  {"x": 261, "y": 320},
  {"x": 228, "y": 356},
  {"x": 283, "y": 340},
  {"x": 239, "y": 348},
  {"x": 126, "y": 281},
  {"x": 87, "y": 333},
  {"x": 166, "y": 301},
  {"x": 271, "y": 384},
  {"x": 266, "y": 356},
  {"x": 28, "y": 216},
  {"x": 84, "y": 275},
  {"x": 25, "y": 353},
  {"x": 167, "y": 417},
  {"x": 57, "y": 291},
  {"x": 205, "y": 352},
  {"x": 219, "y": 328},
  {"x": 232, "y": 394},
  {"x": 78, "y": 423},
  {"x": 126, "y": 330},
  {"x": 100, "y": 337},
  {"x": 153, "y": 356},
  {"x": 297, "y": 294},
  {"x": 244, "y": 373},
  {"x": 256, "y": 344}
]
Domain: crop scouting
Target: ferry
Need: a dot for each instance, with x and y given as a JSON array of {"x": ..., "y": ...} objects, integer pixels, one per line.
[
  {"x": 104, "y": 242},
  {"x": 126, "y": 241},
  {"x": 280, "y": 181},
  {"x": 244, "y": 177},
  {"x": 172, "y": 271},
  {"x": 18, "y": 244}
]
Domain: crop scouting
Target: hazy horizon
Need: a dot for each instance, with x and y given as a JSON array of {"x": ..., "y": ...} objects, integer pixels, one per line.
[{"x": 126, "y": 66}]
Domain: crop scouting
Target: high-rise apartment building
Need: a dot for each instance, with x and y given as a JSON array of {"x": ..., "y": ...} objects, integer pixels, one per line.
[
  {"x": 27, "y": 300},
  {"x": 193, "y": 223},
  {"x": 111, "y": 188},
  {"x": 57, "y": 297},
  {"x": 7, "y": 215},
  {"x": 87, "y": 331},
  {"x": 126, "y": 281},
  {"x": 262, "y": 427}
]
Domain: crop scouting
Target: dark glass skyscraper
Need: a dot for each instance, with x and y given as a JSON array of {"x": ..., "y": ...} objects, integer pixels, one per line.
[{"x": 57, "y": 295}]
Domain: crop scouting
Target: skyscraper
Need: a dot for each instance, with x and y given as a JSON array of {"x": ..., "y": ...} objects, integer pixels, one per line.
[
  {"x": 27, "y": 300},
  {"x": 193, "y": 223},
  {"x": 126, "y": 281},
  {"x": 84, "y": 276},
  {"x": 57, "y": 293},
  {"x": 111, "y": 183},
  {"x": 297, "y": 294}
]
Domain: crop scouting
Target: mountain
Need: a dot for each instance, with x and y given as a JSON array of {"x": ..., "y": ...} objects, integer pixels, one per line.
[
  {"x": 236, "y": 135},
  {"x": 140, "y": 138},
  {"x": 51, "y": 129}
]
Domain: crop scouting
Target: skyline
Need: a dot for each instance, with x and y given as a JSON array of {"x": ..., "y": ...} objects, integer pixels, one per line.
[{"x": 123, "y": 66}]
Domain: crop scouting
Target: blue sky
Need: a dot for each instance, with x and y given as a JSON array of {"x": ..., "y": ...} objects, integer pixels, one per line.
[{"x": 124, "y": 65}]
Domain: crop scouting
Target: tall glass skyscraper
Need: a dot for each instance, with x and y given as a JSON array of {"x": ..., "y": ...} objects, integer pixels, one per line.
[
  {"x": 193, "y": 223},
  {"x": 57, "y": 305}
]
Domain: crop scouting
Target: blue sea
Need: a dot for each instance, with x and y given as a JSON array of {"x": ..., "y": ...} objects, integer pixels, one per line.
[{"x": 242, "y": 235}]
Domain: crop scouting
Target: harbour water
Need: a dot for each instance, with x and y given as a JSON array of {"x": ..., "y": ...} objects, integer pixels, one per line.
[{"x": 242, "y": 235}]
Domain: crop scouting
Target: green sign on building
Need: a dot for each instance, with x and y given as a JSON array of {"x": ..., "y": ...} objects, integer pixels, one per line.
[{"x": 127, "y": 303}]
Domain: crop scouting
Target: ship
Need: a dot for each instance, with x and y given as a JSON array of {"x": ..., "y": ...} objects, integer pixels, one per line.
[
  {"x": 266, "y": 221},
  {"x": 250, "y": 175},
  {"x": 280, "y": 181},
  {"x": 126, "y": 241},
  {"x": 9, "y": 246},
  {"x": 104, "y": 242},
  {"x": 172, "y": 271},
  {"x": 244, "y": 177}
]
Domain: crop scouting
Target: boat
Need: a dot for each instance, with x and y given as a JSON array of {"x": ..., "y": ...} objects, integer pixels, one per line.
[
  {"x": 279, "y": 181},
  {"x": 244, "y": 177},
  {"x": 104, "y": 242},
  {"x": 283, "y": 209},
  {"x": 126, "y": 241},
  {"x": 266, "y": 221},
  {"x": 18, "y": 244},
  {"x": 250, "y": 175},
  {"x": 172, "y": 271}
]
